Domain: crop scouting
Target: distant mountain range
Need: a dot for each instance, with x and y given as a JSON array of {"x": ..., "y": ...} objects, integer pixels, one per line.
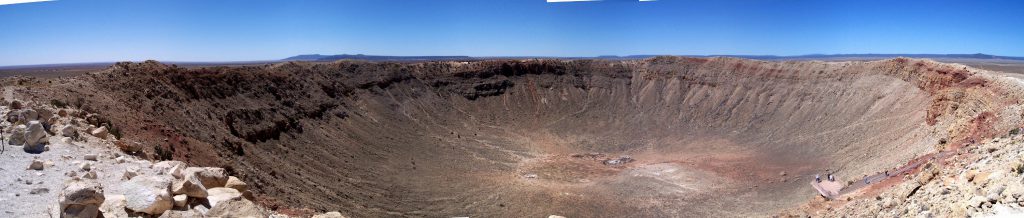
[
  {"x": 874, "y": 56},
  {"x": 318, "y": 57}
]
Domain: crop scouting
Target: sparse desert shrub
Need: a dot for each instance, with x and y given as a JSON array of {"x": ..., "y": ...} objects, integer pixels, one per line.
[
  {"x": 161, "y": 153},
  {"x": 115, "y": 131},
  {"x": 15, "y": 104},
  {"x": 1015, "y": 131},
  {"x": 103, "y": 121},
  {"x": 78, "y": 102},
  {"x": 58, "y": 103},
  {"x": 341, "y": 114}
]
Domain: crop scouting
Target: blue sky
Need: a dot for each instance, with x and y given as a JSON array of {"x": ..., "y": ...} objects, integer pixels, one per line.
[{"x": 68, "y": 31}]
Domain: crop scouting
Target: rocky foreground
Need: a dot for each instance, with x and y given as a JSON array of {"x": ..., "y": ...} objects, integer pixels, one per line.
[
  {"x": 980, "y": 180},
  {"x": 63, "y": 162}
]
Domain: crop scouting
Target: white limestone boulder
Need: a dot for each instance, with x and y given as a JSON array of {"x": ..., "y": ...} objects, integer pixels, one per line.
[{"x": 149, "y": 194}]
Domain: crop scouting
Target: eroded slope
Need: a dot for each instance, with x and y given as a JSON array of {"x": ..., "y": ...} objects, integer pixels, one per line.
[{"x": 530, "y": 138}]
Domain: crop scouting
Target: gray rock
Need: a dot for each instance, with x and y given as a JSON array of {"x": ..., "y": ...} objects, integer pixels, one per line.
[
  {"x": 1002, "y": 210},
  {"x": 237, "y": 184},
  {"x": 180, "y": 200},
  {"x": 218, "y": 195},
  {"x": 90, "y": 175},
  {"x": 190, "y": 186},
  {"x": 185, "y": 213},
  {"x": 81, "y": 199},
  {"x": 68, "y": 131},
  {"x": 35, "y": 136},
  {"x": 28, "y": 115},
  {"x": 977, "y": 201},
  {"x": 17, "y": 135},
  {"x": 37, "y": 191},
  {"x": 113, "y": 206},
  {"x": 130, "y": 172},
  {"x": 43, "y": 113},
  {"x": 100, "y": 132},
  {"x": 149, "y": 194},
  {"x": 239, "y": 207},
  {"x": 36, "y": 164},
  {"x": 995, "y": 193},
  {"x": 210, "y": 177},
  {"x": 171, "y": 167}
]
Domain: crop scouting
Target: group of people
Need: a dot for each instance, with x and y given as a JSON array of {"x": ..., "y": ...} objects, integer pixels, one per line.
[
  {"x": 866, "y": 181},
  {"x": 817, "y": 178}
]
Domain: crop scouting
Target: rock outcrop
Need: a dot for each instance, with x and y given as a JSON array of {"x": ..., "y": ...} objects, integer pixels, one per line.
[{"x": 81, "y": 198}]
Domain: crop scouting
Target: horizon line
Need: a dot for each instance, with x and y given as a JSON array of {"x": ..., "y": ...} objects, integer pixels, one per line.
[{"x": 812, "y": 55}]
